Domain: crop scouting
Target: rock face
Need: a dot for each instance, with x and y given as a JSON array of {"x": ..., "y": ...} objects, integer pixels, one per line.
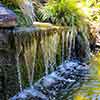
[
  {"x": 59, "y": 84},
  {"x": 7, "y": 17},
  {"x": 9, "y": 84}
]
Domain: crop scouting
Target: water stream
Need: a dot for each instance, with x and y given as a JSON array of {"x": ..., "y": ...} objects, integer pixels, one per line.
[
  {"x": 55, "y": 78},
  {"x": 19, "y": 73},
  {"x": 63, "y": 47},
  {"x": 18, "y": 45},
  {"x": 30, "y": 57},
  {"x": 49, "y": 46},
  {"x": 70, "y": 44}
]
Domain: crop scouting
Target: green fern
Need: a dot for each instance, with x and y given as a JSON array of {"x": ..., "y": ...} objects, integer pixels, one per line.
[{"x": 64, "y": 12}]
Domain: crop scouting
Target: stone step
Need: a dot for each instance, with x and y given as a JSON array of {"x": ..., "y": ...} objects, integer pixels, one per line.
[{"x": 7, "y": 17}]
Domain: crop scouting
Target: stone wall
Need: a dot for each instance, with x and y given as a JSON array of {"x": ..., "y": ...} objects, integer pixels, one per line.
[{"x": 8, "y": 70}]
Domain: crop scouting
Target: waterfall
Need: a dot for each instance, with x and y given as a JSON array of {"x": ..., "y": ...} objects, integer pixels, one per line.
[
  {"x": 77, "y": 44},
  {"x": 63, "y": 51},
  {"x": 67, "y": 44},
  {"x": 71, "y": 42},
  {"x": 29, "y": 48},
  {"x": 45, "y": 52},
  {"x": 30, "y": 57},
  {"x": 49, "y": 46},
  {"x": 19, "y": 73},
  {"x": 18, "y": 49}
]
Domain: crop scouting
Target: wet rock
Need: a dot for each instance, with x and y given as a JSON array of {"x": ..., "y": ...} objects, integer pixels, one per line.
[
  {"x": 9, "y": 84},
  {"x": 67, "y": 78},
  {"x": 7, "y": 17}
]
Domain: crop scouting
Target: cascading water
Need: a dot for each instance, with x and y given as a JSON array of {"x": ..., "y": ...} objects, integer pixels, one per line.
[
  {"x": 29, "y": 48},
  {"x": 67, "y": 44},
  {"x": 45, "y": 53},
  {"x": 70, "y": 44},
  {"x": 77, "y": 44},
  {"x": 63, "y": 41},
  {"x": 70, "y": 39},
  {"x": 87, "y": 45},
  {"x": 19, "y": 73},
  {"x": 18, "y": 47},
  {"x": 30, "y": 57},
  {"x": 49, "y": 46}
]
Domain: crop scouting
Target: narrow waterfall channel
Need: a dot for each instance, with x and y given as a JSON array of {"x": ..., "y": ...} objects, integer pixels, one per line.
[
  {"x": 49, "y": 46},
  {"x": 30, "y": 56}
]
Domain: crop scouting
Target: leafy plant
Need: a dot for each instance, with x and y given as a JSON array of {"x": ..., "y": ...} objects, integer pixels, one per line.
[
  {"x": 63, "y": 12},
  {"x": 69, "y": 14}
]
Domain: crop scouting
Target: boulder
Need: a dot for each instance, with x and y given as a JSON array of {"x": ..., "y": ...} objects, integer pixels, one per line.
[
  {"x": 65, "y": 80},
  {"x": 7, "y": 17}
]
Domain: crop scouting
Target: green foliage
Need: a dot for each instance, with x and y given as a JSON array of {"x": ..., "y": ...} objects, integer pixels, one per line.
[
  {"x": 9, "y": 3},
  {"x": 94, "y": 9},
  {"x": 37, "y": 6},
  {"x": 64, "y": 12}
]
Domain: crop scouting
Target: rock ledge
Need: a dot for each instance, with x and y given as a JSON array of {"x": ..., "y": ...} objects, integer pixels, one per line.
[{"x": 7, "y": 17}]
